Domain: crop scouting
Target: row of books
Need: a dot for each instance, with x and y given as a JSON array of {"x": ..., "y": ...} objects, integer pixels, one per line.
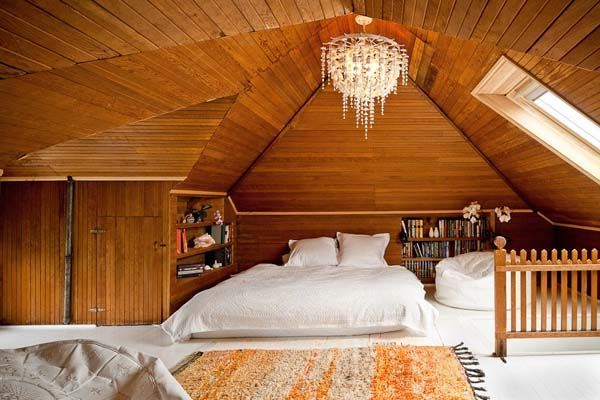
[
  {"x": 426, "y": 249},
  {"x": 446, "y": 227},
  {"x": 422, "y": 269},
  {"x": 453, "y": 227},
  {"x": 466, "y": 246}
]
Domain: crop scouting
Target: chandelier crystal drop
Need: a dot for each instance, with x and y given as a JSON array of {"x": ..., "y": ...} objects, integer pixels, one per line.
[{"x": 364, "y": 68}]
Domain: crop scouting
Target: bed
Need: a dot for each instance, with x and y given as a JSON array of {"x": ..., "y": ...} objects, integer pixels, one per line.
[{"x": 270, "y": 300}]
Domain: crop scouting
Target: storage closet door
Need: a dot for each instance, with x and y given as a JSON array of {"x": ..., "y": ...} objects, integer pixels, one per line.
[{"x": 129, "y": 262}]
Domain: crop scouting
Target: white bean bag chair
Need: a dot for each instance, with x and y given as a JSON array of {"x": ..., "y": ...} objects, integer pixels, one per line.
[{"x": 467, "y": 281}]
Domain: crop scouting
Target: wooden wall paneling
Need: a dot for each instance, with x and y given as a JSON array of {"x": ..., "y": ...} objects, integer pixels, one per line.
[
  {"x": 539, "y": 175},
  {"x": 413, "y": 159},
  {"x": 130, "y": 270},
  {"x": 527, "y": 231},
  {"x": 32, "y": 252},
  {"x": 85, "y": 296},
  {"x": 264, "y": 238}
]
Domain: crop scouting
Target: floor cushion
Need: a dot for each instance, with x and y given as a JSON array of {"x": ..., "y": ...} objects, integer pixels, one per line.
[{"x": 467, "y": 281}]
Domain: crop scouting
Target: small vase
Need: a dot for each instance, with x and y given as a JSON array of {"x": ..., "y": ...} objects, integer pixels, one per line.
[
  {"x": 430, "y": 232},
  {"x": 436, "y": 232}
]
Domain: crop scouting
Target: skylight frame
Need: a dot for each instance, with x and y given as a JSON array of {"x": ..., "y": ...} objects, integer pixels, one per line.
[{"x": 505, "y": 89}]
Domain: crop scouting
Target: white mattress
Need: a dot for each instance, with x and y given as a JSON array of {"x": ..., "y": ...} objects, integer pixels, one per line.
[{"x": 270, "y": 300}]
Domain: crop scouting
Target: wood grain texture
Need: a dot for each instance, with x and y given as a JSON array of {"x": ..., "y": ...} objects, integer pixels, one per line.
[
  {"x": 51, "y": 107},
  {"x": 538, "y": 174},
  {"x": 163, "y": 146},
  {"x": 560, "y": 30},
  {"x": 119, "y": 270},
  {"x": 32, "y": 218},
  {"x": 41, "y": 35},
  {"x": 264, "y": 238},
  {"x": 413, "y": 159}
]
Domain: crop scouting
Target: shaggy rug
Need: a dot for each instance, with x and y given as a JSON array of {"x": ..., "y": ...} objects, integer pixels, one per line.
[{"x": 378, "y": 372}]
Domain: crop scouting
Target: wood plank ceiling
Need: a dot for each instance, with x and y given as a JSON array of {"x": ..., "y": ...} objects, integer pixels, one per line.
[
  {"x": 39, "y": 35},
  {"x": 163, "y": 146},
  {"x": 50, "y": 107},
  {"x": 560, "y": 30},
  {"x": 106, "y": 64}
]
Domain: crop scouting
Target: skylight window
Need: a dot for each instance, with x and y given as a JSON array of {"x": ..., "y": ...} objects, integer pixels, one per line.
[
  {"x": 528, "y": 104},
  {"x": 569, "y": 117}
]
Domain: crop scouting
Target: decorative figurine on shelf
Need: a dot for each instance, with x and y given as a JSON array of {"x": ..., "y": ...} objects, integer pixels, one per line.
[
  {"x": 436, "y": 232},
  {"x": 431, "y": 232},
  {"x": 218, "y": 218},
  {"x": 217, "y": 265},
  {"x": 200, "y": 214},
  {"x": 188, "y": 219},
  {"x": 503, "y": 213},
  {"x": 471, "y": 212},
  {"x": 207, "y": 268}
]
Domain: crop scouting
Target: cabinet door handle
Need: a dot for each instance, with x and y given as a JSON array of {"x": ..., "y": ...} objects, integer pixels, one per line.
[{"x": 159, "y": 245}]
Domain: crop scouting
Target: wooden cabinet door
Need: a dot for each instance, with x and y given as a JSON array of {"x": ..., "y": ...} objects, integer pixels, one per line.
[{"x": 129, "y": 268}]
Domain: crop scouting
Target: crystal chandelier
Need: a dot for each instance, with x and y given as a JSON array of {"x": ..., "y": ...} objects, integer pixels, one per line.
[{"x": 363, "y": 68}]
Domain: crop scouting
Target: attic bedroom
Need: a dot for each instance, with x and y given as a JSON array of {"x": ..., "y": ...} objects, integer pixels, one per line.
[{"x": 299, "y": 199}]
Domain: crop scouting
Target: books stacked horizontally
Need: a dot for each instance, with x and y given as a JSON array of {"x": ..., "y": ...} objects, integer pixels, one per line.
[{"x": 189, "y": 270}]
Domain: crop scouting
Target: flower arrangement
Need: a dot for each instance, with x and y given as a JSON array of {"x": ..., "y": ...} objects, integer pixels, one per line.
[
  {"x": 503, "y": 213},
  {"x": 471, "y": 212}
]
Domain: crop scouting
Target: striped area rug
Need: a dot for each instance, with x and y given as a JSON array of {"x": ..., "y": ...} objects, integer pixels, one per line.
[{"x": 379, "y": 372}]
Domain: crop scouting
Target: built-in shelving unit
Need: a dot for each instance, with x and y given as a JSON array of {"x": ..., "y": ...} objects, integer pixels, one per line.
[
  {"x": 421, "y": 253},
  {"x": 182, "y": 288}
]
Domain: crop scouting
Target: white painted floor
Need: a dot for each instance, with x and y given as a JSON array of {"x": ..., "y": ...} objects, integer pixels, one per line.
[{"x": 544, "y": 369}]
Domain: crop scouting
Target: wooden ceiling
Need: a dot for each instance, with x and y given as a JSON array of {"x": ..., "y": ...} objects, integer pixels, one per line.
[
  {"x": 560, "y": 30},
  {"x": 450, "y": 68},
  {"x": 81, "y": 74},
  {"x": 164, "y": 146},
  {"x": 39, "y": 35},
  {"x": 50, "y": 107}
]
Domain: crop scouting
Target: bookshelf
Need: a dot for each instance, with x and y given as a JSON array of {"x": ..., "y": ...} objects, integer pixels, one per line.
[
  {"x": 455, "y": 235},
  {"x": 194, "y": 259}
]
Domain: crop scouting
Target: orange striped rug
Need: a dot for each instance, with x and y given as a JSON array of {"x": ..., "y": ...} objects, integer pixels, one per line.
[{"x": 379, "y": 372}]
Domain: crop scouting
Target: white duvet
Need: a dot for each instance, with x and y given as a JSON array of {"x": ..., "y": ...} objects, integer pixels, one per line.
[{"x": 270, "y": 300}]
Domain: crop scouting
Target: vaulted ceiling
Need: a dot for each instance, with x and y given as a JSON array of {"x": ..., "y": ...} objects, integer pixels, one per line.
[{"x": 123, "y": 88}]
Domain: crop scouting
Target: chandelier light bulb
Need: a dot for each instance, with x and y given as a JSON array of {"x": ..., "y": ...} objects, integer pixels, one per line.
[{"x": 364, "y": 68}]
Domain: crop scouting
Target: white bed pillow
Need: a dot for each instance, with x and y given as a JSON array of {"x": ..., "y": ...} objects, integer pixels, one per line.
[
  {"x": 310, "y": 252},
  {"x": 363, "y": 250}
]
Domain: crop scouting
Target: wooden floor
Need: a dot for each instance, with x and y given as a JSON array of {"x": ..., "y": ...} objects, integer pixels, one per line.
[{"x": 545, "y": 369}]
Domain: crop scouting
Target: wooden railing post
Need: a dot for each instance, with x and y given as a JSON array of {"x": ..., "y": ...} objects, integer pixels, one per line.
[{"x": 500, "y": 295}]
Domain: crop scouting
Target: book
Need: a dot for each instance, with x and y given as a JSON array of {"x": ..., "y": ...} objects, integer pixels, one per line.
[
  {"x": 184, "y": 243},
  {"x": 216, "y": 231},
  {"x": 178, "y": 240}
]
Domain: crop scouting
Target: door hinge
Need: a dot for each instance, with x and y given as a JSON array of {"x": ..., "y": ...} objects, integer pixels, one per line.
[
  {"x": 97, "y": 231},
  {"x": 96, "y": 309}
]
